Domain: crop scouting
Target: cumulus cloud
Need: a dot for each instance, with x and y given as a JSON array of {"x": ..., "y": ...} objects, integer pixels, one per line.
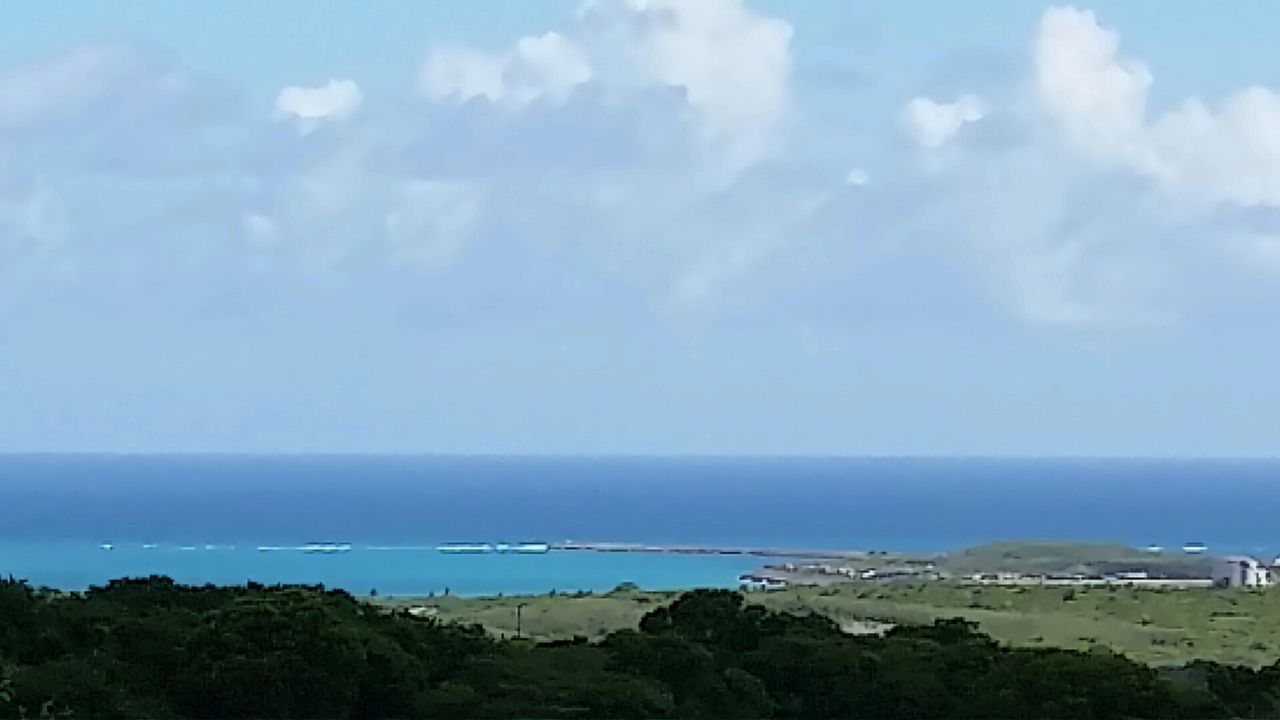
[
  {"x": 335, "y": 100},
  {"x": 1116, "y": 215},
  {"x": 733, "y": 64},
  {"x": 730, "y": 65},
  {"x": 1099, "y": 99},
  {"x": 931, "y": 124},
  {"x": 455, "y": 72},
  {"x": 1039, "y": 237},
  {"x": 538, "y": 66},
  {"x": 669, "y": 94}
]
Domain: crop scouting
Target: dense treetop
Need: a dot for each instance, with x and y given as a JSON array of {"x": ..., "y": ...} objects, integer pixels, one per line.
[{"x": 152, "y": 648}]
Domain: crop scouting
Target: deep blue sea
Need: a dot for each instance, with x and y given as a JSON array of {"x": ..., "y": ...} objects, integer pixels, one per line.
[{"x": 206, "y": 515}]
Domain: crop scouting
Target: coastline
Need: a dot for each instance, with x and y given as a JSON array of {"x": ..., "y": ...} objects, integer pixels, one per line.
[
  {"x": 1010, "y": 562},
  {"x": 409, "y": 571}
]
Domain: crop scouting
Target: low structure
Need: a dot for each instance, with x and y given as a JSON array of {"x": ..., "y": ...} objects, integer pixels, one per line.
[
  {"x": 761, "y": 582},
  {"x": 1240, "y": 571}
]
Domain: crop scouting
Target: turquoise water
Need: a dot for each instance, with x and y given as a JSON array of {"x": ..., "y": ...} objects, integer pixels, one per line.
[
  {"x": 73, "y": 565},
  {"x": 56, "y": 510}
]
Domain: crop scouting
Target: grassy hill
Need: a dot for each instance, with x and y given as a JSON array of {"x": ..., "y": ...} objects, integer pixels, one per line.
[
  {"x": 1059, "y": 557},
  {"x": 1158, "y": 625}
]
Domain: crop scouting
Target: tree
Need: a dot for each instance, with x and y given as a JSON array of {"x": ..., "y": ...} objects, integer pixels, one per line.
[
  {"x": 287, "y": 654},
  {"x": 713, "y": 617},
  {"x": 152, "y": 648}
]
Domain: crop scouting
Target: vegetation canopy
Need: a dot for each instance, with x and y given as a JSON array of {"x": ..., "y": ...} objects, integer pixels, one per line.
[{"x": 152, "y": 648}]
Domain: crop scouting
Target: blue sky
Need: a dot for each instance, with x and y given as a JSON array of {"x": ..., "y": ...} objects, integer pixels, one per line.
[{"x": 639, "y": 226}]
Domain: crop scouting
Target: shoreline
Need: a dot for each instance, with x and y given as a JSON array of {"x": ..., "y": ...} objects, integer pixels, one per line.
[{"x": 749, "y": 567}]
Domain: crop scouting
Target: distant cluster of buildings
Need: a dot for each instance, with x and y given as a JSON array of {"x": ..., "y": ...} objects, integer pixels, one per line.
[
  {"x": 1229, "y": 571},
  {"x": 838, "y": 571},
  {"x": 779, "y": 577},
  {"x": 1244, "y": 572},
  {"x": 1129, "y": 576},
  {"x": 755, "y": 582}
]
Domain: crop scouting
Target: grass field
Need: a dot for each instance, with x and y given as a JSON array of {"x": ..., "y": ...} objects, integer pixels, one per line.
[
  {"x": 1154, "y": 625},
  {"x": 1030, "y": 557}
]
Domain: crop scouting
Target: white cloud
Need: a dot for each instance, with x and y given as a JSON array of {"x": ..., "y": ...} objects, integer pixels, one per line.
[
  {"x": 1099, "y": 100},
  {"x": 335, "y": 100},
  {"x": 677, "y": 92},
  {"x": 733, "y": 64},
  {"x": 460, "y": 73},
  {"x": 546, "y": 65},
  {"x": 931, "y": 124},
  {"x": 542, "y": 66},
  {"x": 730, "y": 65},
  {"x": 1232, "y": 155}
]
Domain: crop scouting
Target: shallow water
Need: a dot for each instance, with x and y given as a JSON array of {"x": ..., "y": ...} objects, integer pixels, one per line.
[{"x": 71, "y": 565}]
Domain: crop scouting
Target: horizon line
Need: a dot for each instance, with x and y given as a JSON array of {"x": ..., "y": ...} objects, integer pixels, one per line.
[{"x": 628, "y": 455}]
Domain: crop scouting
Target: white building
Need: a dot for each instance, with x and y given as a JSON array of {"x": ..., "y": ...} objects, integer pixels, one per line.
[
  {"x": 1240, "y": 571},
  {"x": 761, "y": 582}
]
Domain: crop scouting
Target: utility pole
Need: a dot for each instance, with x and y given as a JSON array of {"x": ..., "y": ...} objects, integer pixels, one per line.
[{"x": 519, "y": 619}]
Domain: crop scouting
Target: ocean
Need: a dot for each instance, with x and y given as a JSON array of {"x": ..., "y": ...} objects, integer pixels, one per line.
[{"x": 201, "y": 518}]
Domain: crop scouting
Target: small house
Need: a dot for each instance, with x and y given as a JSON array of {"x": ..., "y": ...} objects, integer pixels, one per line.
[{"x": 761, "y": 582}]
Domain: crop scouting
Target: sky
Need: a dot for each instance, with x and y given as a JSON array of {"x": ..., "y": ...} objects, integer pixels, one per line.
[{"x": 640, "y": 227}]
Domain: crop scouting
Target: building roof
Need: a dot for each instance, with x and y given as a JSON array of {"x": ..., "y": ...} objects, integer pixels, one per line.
[{"x": 1239, "y": 559}]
